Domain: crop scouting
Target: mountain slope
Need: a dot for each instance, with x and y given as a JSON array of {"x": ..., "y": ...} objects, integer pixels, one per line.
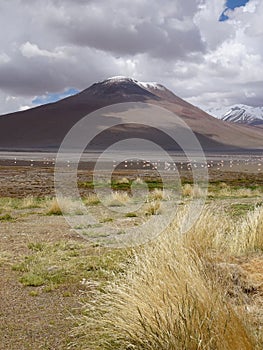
[
  {"x": 44, "y": 127},
  {"x": 241, "y": 114}
]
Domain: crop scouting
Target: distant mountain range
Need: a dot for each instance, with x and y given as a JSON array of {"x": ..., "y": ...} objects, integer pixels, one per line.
[
  {"x": 239, "y": 113},
  {"x": 44, "y": 127}
]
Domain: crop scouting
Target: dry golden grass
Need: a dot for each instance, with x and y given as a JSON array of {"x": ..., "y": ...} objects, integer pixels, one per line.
[
  {"x": 30, "y": 202},
  {"x": 225, "y": 190},
  {"x": 152, "y": 208},
  {"x": 242, "y": 192},
  {"x": 9, "y": 203},
  {"x": 138, "y": 181},
  {"x": 174, "y": 295},
  {"x": 118, "y": 199},
  {"x": 91, "y": 199},
  {"x": 187, "y": 190},
  {"x": 192, "y": 191},
  {"x": 123, "y": 180},
  {"x": 54, "y": 208},
  {"x": 65, "y": 206},
  {"x": 165, "y": 301},
  {"x": 157, "y": 195},
  {"x": 216, "y": 231},
  {"x": 4, "y": 257}
]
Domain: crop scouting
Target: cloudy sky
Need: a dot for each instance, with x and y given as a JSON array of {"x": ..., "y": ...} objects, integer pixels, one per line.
[{"x": 209, "y": 52}]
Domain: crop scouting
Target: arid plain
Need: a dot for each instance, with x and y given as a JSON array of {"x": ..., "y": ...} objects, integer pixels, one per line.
[{"x": 60, "y": 289}]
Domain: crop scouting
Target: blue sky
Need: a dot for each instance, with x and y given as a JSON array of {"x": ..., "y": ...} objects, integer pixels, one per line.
[
  {"x": 232, "y": 4},
  {"x": 48, "y": 98}
]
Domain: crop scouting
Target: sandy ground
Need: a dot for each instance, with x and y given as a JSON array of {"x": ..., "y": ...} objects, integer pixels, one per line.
[{"x": 33, "y": 322}]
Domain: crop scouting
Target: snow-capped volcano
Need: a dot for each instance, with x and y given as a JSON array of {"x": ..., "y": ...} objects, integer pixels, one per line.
[
  {"x": 44, "y": 127},
  {"x": 130, "y": 88},
  {"x": 242, "y": 114}
]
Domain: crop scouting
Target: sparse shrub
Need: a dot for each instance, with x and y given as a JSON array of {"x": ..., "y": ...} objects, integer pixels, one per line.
[
  {"x": 118, "y": 199},
  {"x": 64, "y": 206},
  {"x": 31, "y": 279},
  {"x": 123, "y": 180},
  {"x": 131, "y": 215},
  {"x": 34, "y": 293},
  {"x": 9, "y": 203},
  {"x": 152, "y": 208},
  {"x": 54, "y": 208},
  {"x": 4, "y": 257},
  {"x": 30, "y": 202},
  {"x": 6, "y": 217},
  {"x": 223, "y": 185},
  {"x": 245, "y": 192},
  {"x": 38, "y": 246},
  {"x": 105, "y": 220},
  {"x": 187, "y": 190},
  {"x": 120, "y": 184},
  {"x": 157, "y": 195},
  {"x": 138, "y": 181},
  {"x": 92, "y": 199},
  {"x": 192, "y": 191}
]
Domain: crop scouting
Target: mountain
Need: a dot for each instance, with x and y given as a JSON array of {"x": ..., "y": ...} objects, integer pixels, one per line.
[
  {"x": 44, "y": 127},
  {"x": 241, "y": 114}
]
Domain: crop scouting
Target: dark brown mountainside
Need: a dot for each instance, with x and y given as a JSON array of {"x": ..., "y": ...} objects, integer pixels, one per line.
[{"x": 44, "y": 127}]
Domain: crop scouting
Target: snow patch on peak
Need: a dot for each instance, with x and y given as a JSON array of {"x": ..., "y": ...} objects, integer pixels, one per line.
[
  {"x": 151, "y": 85},
  {"x": 218, "y": 112},
  {"x": 117, "y": 78},
  {"x": 144, "y": 85},
  {"x": 238, "y": 113}
]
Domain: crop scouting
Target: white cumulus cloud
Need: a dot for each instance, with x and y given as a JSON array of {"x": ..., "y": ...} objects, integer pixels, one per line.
[{"x": 32, "y": 50}]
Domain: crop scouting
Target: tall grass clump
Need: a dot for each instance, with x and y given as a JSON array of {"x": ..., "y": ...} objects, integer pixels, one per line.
[
  {"x": 157, "y": 195},
  {"x": 166, "y": 301},
  {"x": 118, "y": 199},
  {"x": 65, "y": 205},
  {"x": 31, "y": 202},
  {"x": 173, "y": 295},
  {"x": 248, "y": 235},
  {"x": 216, "y": 231},
  {"x": 153, "y": 208},
  {"x": 192, "y": 191},
  {"x": 91, "y": 200}
]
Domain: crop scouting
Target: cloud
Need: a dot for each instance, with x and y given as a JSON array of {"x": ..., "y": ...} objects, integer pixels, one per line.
[
  {"x": 32, "y": 50},
  {"x": 59, "y": 44},
  {"x": 4, "y": 58},
  {"x": 10, "y": 103},
  {"x": 125, "y": 28}
]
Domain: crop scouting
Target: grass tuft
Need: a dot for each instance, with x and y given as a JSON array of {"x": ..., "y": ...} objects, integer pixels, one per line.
[
  {"x": 6, "y": 217},
  {"x": 64, "y": 206},
  {"x": 91, "y": 200},
  {"x": 152, "y": 208},
  {"x": 118, "y": 199}
]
